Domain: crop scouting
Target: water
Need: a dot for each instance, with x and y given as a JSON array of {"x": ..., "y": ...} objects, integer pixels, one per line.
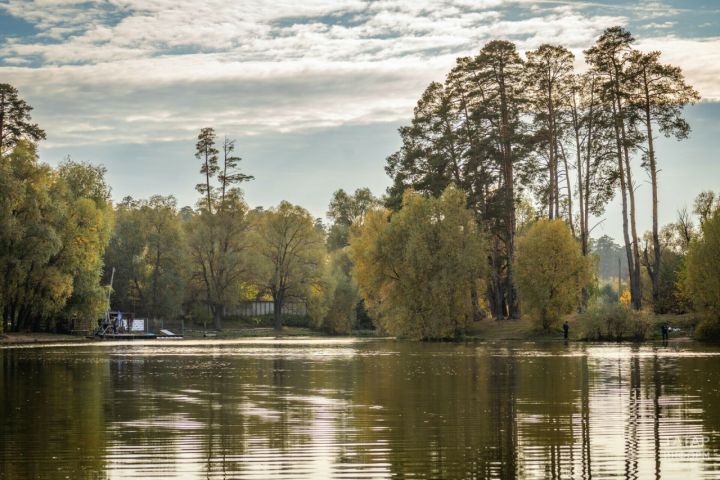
[{"x": 359, "y": 409}]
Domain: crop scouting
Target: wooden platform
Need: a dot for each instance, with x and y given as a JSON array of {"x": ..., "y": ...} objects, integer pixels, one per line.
[{"x": 128, "y": 336}]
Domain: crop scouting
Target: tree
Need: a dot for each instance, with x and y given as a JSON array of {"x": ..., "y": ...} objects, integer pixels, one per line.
[
  {"x": 341, "y": 297},
  {"x": 291, "y": 254},
  {"x": 55, "y": 227},
  {"x": 703, "y": 270},
  {"x": 417, "y": 269},
  {"x": 609, "y": 59},
  {"x": 551, "y": 271},
  {"x": 230, "y": 174},
  {"x": 86, "y": 232},
  {"x": 659, "y": 96},
  {"x": 549, "y": 79},
  {"x": 705, "y": 204},
  {"x": 15, "y": 120},
  {"x": 217, "y": 233},
  {"x": 219, "y": 248},
  {"x": 471, "y": 132},
  {"x": 148, "y": 252},
  {"x": 207, "y": 153},
  {"x": 344, "y": 210}
]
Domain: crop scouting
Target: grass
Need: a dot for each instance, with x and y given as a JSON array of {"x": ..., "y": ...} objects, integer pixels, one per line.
[{"x": 526, "y": 329}]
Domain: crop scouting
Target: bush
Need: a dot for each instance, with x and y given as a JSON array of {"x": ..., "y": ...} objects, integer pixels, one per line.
[
  {"x": 613, "y": 322},
  {"x": 708, "y": 330}
]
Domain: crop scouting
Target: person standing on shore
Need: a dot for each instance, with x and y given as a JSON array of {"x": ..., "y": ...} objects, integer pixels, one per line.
[{"x": 566, "y": 329}]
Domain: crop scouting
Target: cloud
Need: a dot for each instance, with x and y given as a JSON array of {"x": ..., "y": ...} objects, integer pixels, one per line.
[{"x": 137, "y": 71}]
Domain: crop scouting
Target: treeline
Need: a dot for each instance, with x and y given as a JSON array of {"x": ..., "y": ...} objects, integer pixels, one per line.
[
  {"x": 500, "y": 175},
  {"x": 530, "y": 138}
]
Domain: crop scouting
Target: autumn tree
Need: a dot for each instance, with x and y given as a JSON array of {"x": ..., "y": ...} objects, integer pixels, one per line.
[
  {"x": 15, "y": 121},
  {"x": 471, "y": 132},
  {"x": 290, "y": 253},
  {"x": 417, "y": 269},
  {"x": 551, "y": 271},
  {"x": 55, "y": 225}
]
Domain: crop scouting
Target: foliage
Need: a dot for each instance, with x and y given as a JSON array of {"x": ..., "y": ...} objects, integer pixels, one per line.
[
  {"x": 290, "y": 255},
  {"x": 342, "y": 296},
  {"x": 219, "y": 250},
  {"x": 613, "y": 322},
  {"x": 217, "y": 232},
  {"x": 148, "y": 253},
  {"x": 15, "y": 121},
  {"x": 418, "y": 269},
  {"x": 708, "y": 329},
  {"x": 344, "y": 210},
  {"x": 551, "y": 271},
  {"x": 703, "y": 269},
  {"x": 54, "y": 227}
]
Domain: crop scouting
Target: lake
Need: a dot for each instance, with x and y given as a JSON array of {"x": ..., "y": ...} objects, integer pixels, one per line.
[{"x": 354, "y": 408}]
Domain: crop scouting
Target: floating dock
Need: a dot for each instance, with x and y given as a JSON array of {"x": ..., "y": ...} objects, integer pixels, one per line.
[{"x": 127, "y": 336}]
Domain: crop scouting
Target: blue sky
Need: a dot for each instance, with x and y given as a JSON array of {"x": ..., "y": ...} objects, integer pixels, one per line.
[{"x": 313, "y": 91}]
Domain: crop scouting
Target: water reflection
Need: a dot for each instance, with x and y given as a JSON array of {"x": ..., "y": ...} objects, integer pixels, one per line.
[{"x": 359, "y": 409}]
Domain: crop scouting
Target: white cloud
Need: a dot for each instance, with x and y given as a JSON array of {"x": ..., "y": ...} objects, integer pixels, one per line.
[{"x": 142, "y": 70}]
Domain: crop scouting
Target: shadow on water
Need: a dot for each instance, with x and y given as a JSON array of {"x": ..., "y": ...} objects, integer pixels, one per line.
[{"x": 359, "y": 409}]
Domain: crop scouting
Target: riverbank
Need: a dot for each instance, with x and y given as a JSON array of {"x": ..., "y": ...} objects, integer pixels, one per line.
[
  {"x": 484, "y": 330},
  {"x": 682, "y": 326},
  {"x": 229, "y": 334},
  {"x": 38, "y": 337}
]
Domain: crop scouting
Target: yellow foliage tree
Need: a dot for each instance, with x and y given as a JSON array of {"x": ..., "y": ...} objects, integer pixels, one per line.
[
  {"x": 625, "y": 298},
  {"x": 418, "y": 268},
  {"x": 551, "y": 271}
]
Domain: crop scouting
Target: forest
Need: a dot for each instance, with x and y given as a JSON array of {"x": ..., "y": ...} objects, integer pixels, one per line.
[{"x": 503, "y": 172}]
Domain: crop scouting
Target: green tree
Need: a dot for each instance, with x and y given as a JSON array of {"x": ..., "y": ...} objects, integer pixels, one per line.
[
  {"x": 218, "y": 245},
  {"x": 55, "y": 227},
  {"x": 148, "y": 252},
  {"x": 417, "y": 269},
  {"x": 549, "y": 79},
  {"x": 706, "y": 203},
  {"x": 290, "y": 255},
  {"x": 217, "y": 233},
  {"x": 703, "y": 269},
  {"x": 473, "y": 132},
  {"x": 342, "y": 296},
  {"x": 344, "y": 210},
  {"x": 551, "y": 271},
  {"x": 207, "y": 153},
  {"x": 15, "y": 120}
]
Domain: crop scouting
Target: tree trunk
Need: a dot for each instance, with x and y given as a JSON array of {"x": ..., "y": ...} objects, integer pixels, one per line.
[
  {"x": 217, "y": 316},
  {"x": 654, "y": 271},
  {"x": 277, "y": 312},
  {"x": 513, "y": 310},
  {"x": 623, "y": 194}
]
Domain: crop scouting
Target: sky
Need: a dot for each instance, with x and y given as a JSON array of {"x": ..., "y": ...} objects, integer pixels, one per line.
[{"x": 313, "y": 91}]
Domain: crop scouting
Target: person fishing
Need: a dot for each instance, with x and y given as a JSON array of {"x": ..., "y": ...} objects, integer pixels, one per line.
[
  {"x": 665, "y": 330},
  {"x": 566, "y": 329}
]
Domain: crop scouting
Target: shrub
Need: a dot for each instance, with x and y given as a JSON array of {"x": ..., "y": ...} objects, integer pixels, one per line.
[
  {"x": 708, "y": 330},
  {"x": 613, "y": 322}
]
